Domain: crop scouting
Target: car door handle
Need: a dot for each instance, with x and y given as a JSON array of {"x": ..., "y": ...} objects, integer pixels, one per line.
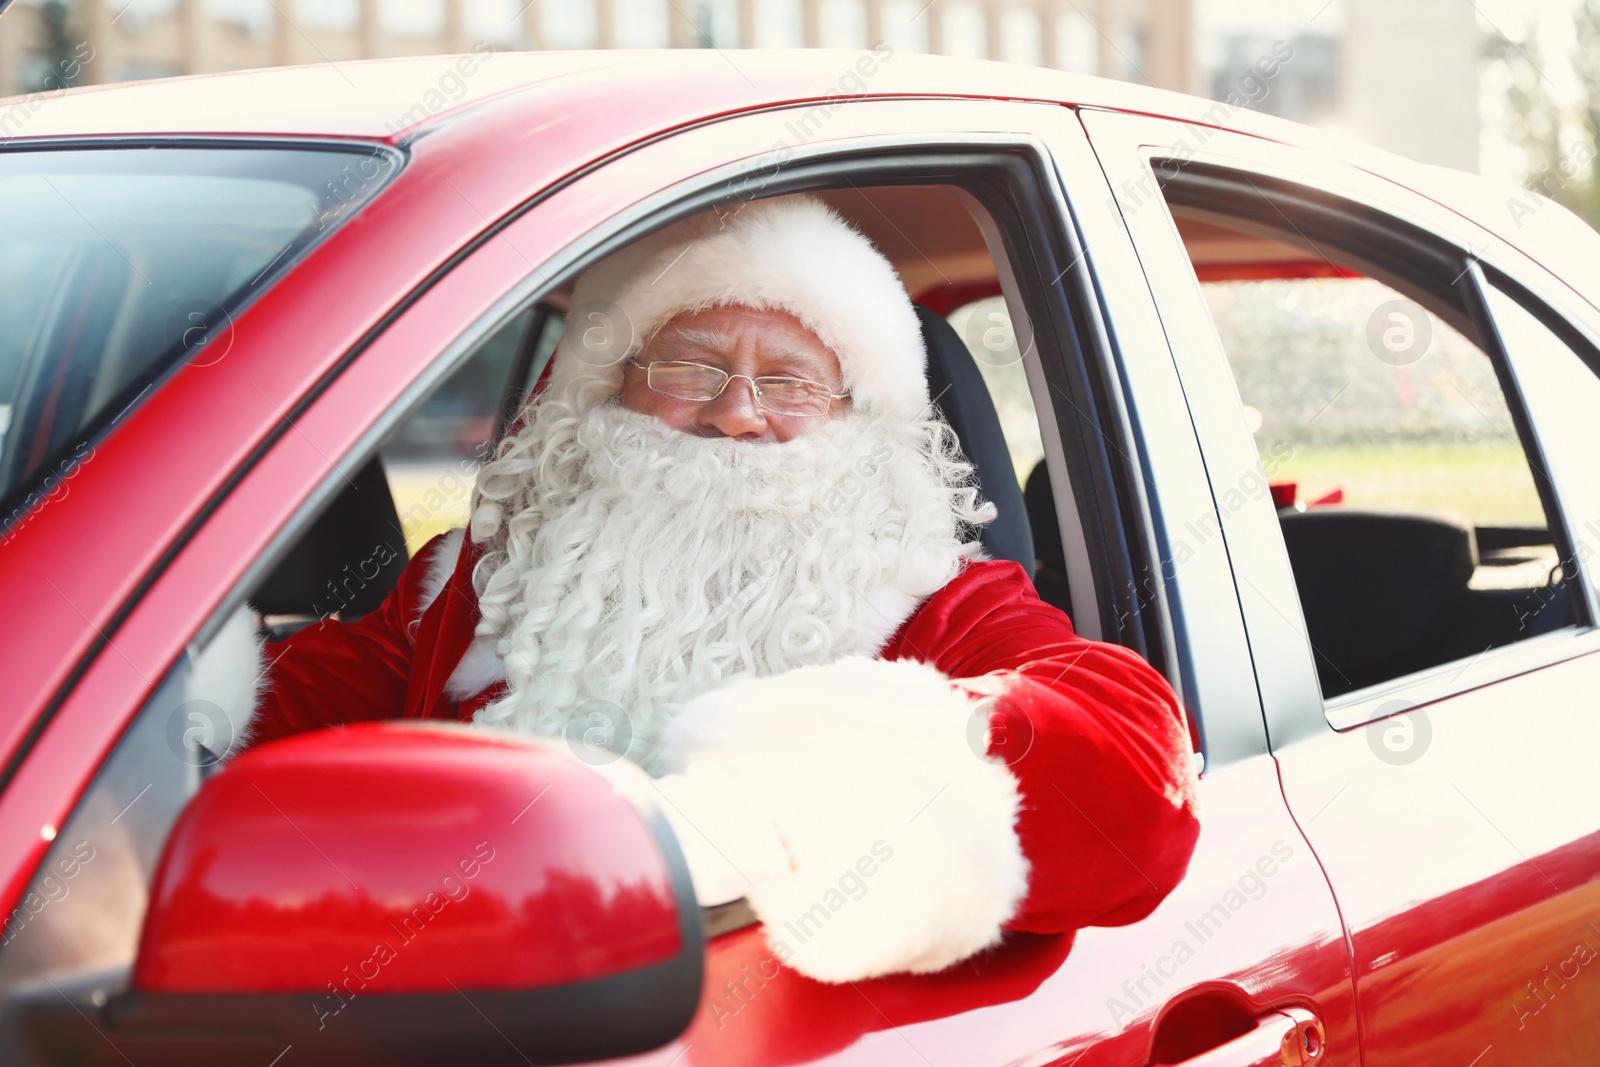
[{"x": 1288, "y": 1037}]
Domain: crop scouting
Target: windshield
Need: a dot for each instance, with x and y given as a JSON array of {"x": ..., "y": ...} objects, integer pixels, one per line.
[{"x": 116, "y": 263}]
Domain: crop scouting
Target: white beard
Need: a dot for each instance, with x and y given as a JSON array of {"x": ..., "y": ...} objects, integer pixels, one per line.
[{"x": 642, "y": 566}]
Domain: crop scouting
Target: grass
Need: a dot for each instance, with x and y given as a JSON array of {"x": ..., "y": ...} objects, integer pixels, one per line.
[
  {"x": 1490, "y": 484},
  {"x": 431, "y": 499}
]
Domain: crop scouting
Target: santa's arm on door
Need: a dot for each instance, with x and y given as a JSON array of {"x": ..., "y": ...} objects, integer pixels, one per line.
[
  {"x": 880, "y": 817},
  {"x": 335, "y": 672}
]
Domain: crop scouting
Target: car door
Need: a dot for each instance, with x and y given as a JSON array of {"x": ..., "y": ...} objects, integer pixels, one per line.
[
  {"x": 1245, "y": 955},
  {"x": 1427, "y": 754},
  {"x": 1248, "y": 947}
]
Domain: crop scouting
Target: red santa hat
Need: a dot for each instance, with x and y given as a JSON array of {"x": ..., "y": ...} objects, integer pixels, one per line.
[{"x": 791, "y": 253}]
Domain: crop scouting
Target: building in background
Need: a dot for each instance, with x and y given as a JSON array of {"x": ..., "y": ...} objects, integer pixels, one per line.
[
  {"x": 1410, "y": 74},
  {"x": 1401, "y": 74},
  {"x": 1144, "y": 40}
]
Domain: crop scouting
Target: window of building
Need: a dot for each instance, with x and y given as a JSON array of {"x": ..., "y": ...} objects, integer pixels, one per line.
[
  {"x": 963, "y": 31},
  {"x": 779, "y": 24},
  {"x": 716, "y": 23},
  {"x": 1019, "y": 36},
  {"x": 253, "y": 17},
  {"x": 138, "y": 18},
  {"x": 1077, "y": 44},
  {"x": 339, "y": 15},
  {"x": 568, "y": 23},
  {"x": 844, "y": 24},
  {"x": 411, "y": 18},
  {"x": 496, "y": 21},
  {"x": 905, "y": 25},
  {"x": 1127, "y": 44},
  {"x": 642, "y": 24}
]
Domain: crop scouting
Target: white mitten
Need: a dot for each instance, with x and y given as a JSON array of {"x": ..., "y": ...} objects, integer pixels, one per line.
[
  {"x": 866, "y": 829},
  {"x": 727, "y": 838}
]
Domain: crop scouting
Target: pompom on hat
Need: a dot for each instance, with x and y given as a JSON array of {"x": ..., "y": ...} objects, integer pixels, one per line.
[{"x": 791, "y": 253}]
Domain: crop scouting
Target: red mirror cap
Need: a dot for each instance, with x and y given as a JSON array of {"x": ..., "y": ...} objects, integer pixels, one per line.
[{"x": 402, "y": 859}]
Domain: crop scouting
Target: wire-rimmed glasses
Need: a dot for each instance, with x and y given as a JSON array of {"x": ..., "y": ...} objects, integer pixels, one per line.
[{"x": 686, "y": 380}]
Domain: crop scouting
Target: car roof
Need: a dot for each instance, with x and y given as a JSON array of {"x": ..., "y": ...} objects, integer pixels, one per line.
[
  {"x": 396, "y": 99},
  {"x": 370, "y": 98}
]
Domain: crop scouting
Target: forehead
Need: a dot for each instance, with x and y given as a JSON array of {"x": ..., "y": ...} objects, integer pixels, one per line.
[{"x": 736, "y": 329}]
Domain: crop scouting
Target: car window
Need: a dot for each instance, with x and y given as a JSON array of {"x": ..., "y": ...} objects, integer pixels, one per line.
[
  {"x": 1410, "y": 510},
  {"x": 543, "y": 346},
  {"x": 81, "y": 912},
  {"x": 985, "y": 326},
  {"x": 1562, "y": 390},
  {"x": 90, "y": 889},
  {"x": 116, "y": 263},
  {"x": 433, "y": 457},
  {"x": 1360, "y": 396},
  {"x": 418, "y": 486}
]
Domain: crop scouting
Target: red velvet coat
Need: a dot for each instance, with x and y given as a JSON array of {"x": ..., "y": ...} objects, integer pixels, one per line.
[{"x": 1093, "y": 734}]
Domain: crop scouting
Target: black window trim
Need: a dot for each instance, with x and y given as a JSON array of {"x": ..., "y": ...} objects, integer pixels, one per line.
[
  {"x": 1449, "y": 285},
  {"x": 16, "y": 506}
]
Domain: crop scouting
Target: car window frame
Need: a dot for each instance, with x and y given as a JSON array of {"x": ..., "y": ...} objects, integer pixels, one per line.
[
  {"x": 16, "y": 505},
  {"x": 1581, "y": 338},
  {"x": 1132, "y": 147},
  {"x": 1435, "y": 683},
  {"x": 877, "y": 155},
  {"x": 209, "y": 575}
]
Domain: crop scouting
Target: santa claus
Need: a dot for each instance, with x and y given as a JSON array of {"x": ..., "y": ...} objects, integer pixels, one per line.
[{"x": 732, "y": 539}]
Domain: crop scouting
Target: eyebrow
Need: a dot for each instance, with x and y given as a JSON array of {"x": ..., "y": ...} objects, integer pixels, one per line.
[
  {"x": 710, "y": 340},
  {"x": 719, "y": 343}
]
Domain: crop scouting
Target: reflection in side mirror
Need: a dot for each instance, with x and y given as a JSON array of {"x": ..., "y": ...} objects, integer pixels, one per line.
[{"x": 404, "y": 894}]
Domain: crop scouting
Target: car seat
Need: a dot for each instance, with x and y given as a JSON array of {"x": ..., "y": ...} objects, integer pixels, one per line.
[
  {"x": 1380, "y": 590},
  {"x": 339, "y": 563},
  {"x": 961, "y": 395}
]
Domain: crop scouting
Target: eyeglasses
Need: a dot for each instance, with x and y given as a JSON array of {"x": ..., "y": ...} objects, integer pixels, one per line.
[{"x": 683, "y": 380}]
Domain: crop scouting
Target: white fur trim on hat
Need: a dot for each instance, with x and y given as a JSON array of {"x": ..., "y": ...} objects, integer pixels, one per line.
[{"x": 790, "y": 253}]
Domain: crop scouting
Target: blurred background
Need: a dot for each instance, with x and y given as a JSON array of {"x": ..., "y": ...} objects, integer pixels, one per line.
[{"x": 1510, "y": 88}]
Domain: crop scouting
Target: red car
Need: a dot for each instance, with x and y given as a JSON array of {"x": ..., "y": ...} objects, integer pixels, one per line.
[{"x": 1309, "y": 427}]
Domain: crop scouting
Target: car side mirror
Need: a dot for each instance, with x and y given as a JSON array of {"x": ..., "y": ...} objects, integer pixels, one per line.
[{"x": 411, "y": 894}]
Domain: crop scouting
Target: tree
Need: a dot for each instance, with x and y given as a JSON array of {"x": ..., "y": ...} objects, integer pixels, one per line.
[
  {"x": 1560, "y": 141},
  {"x": 1585, "y": 195}
]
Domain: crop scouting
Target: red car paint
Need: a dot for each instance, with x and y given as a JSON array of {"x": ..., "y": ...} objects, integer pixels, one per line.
[
  {"x": 547, "y": 878},
  {"x": 109, "y": 582}
]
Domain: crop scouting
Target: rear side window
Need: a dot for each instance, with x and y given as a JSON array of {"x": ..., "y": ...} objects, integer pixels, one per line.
[
  {"x": 116, "y": 263},
  {"x": 1361, "y": 396},
  {"x": 1408, "y": 498}
]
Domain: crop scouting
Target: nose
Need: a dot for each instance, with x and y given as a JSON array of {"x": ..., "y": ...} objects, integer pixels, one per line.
[{"x": 735, "y": 413}]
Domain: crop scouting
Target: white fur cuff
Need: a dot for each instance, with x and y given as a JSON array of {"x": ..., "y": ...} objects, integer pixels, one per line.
[
  {"x": 229, "y": 674},
  {"x": 901, "y": 840}
]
